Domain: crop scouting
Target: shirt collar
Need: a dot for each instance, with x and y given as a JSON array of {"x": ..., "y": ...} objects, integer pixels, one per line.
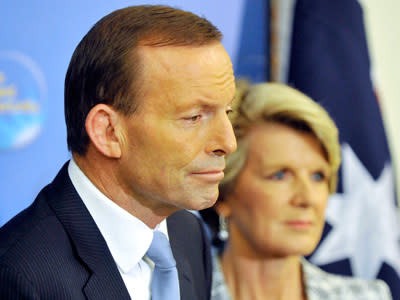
[{"x": 127, "y": 237}]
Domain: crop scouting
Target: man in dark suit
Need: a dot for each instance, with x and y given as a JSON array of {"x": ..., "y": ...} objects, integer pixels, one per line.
[{"x": 147, "y": 94}]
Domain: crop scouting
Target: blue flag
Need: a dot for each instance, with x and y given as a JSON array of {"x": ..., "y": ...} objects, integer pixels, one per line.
[
  {"x": 329, "y": 61},
  {"x": 253, "y": 55}
]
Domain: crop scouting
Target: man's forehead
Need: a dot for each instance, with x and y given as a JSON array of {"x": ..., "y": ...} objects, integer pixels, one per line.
[
  {"x": 185, "y": 63},
  {"x": 163, "y": 55},
  {"x": 184, "y": 73}
]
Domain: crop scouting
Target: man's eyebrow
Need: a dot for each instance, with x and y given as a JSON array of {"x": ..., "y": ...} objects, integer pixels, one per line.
[{"x": 199, "y": 103}]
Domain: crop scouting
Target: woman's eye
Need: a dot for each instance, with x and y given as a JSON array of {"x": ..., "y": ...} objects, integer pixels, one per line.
[
  {"x": 318, "y": 176},
  {"x": 278, "y": 175}
]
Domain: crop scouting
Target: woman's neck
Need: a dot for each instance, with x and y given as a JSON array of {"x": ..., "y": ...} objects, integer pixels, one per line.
[{"x": 262, "y": 278}]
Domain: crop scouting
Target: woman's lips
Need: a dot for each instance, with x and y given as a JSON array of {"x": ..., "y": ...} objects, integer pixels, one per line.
[{"x": 298, "y": 224}]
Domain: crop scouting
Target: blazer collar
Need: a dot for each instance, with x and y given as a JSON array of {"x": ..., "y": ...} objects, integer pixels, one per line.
[
  {"x": 105, "y": 281},
  {"x": 178, "y": 246}
]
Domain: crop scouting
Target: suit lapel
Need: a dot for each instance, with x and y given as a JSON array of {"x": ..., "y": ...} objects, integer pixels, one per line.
[
  {"x": 178, "y": 246},
  {"x": 105, "y": 281}
]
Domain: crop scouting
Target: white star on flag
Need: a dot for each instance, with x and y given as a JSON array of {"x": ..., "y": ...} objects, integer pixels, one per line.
[{"x": 365, "y": 221}]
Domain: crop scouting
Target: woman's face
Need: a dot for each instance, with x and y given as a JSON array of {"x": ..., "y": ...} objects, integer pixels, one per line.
[{"x": 277, "y": 206}]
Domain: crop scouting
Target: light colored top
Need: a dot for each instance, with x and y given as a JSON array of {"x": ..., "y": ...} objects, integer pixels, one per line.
[
  {"x": 319, "y": 284},
  {"x": 127, "y": 237}
]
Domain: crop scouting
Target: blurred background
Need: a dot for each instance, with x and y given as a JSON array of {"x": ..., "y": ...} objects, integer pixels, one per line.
[{"x": 343, "y": 53}]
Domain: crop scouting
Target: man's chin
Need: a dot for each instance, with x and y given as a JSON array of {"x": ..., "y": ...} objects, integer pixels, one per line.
[{"x": 204, "y": 203}]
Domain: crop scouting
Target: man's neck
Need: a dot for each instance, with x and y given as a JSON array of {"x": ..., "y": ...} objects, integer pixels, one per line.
[{"x": 106, "y": 180}]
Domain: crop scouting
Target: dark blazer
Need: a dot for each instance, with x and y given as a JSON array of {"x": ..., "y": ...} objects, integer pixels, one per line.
[{"x": 54, "y": 250}]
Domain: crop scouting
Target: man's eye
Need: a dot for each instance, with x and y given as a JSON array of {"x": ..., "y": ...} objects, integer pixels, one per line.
[
  {"x": 193, "y": 118},
  {"x": 229, "y": 111}
]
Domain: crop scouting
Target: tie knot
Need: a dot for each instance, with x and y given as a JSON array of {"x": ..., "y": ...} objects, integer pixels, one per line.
[{"x": 160, "y": 251}]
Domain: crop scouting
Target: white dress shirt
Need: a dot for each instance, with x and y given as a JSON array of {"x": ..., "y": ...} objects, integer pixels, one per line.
[{"x": 127, "y": 237}]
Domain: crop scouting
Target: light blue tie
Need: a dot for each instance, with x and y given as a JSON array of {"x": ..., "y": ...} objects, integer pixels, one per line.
[{"x": 165, "y": 283}]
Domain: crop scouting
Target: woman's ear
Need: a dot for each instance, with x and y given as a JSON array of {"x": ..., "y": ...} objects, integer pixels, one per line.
[
  {"x": 103, "y": 125},
  {"x": 223, "y": 209}
]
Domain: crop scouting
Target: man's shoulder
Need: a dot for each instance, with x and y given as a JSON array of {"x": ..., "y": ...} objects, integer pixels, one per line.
[
  {"x": 32, "y": 231},
  {"x": 26, "y": 232},
  {"x": 324, "y": 285},
  {"x": 37, "y": 256}
]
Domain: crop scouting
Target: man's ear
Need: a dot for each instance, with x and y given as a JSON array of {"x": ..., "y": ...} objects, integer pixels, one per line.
[{"x": 103, "y": 125}]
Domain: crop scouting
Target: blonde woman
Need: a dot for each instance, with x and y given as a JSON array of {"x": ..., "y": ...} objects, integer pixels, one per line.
[{"x": 272, "y": 201}]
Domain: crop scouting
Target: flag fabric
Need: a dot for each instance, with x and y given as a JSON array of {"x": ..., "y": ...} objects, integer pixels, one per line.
[
  {"x": 329, "y": 61},
  {"x": 252, "y": 61}
]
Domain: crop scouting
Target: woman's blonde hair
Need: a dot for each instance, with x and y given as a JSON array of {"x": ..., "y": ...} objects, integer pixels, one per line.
[{"x": 276, "y": 102}]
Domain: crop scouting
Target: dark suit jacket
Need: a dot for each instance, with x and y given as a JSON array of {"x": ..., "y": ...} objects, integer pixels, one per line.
[{"x": 54, "y": 250}]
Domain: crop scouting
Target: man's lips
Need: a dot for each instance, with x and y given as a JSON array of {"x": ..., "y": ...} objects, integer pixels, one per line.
[{"x": 209, "y": 175}]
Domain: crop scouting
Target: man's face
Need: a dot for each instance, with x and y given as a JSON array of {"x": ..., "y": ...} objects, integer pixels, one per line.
[{"x": 176, "y": 141}]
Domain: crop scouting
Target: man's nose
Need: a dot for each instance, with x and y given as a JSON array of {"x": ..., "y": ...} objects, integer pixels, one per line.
[{"x": 223, "y": 141}]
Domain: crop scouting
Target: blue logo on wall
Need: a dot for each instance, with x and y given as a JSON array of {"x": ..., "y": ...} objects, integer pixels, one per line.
[{"x": 22, "y": 96}]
